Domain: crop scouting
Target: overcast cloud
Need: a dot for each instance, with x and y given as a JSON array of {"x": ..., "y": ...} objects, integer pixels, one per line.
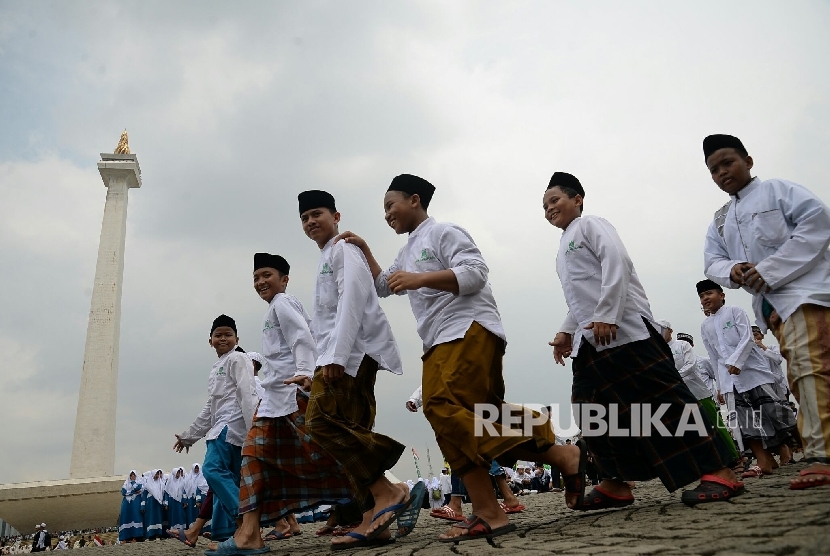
[{"x": 234, "y": 108}]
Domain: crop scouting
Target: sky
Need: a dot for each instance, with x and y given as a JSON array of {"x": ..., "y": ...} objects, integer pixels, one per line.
[{"x": 234, "y": 108}]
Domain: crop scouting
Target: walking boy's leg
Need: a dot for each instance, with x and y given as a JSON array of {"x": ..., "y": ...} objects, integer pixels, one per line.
[
  {"x": 221, "y": 469},
  {"x": 340, "y": 417},
  {"x": 805, "y": 343}
]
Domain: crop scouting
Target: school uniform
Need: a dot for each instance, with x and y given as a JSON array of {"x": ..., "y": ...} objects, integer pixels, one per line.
[
  {"x": 283, "y": 469},
  {"x": 727, "y": 336},
  {"x": 601, "y": 285},
  {"x": 685, "y": 362},
  {"x": 351, "y": 330},
  {"x": 152, "y": 504},
  {"x": 224, "y": 422},
  {"x": 776, "y": 364},
  {"x": 707, "y": 374},
  {"x": 130, "y": 522},
  {"x": 175, "y": 501},
  {"x": 464, "y": 342},
  {"x": 784, "y": 230}
]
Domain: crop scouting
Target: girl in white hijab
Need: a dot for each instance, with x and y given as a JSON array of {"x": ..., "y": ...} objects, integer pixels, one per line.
[
  {"x": 174, "y": 499},
  {"x": 130, "y": 522},
  {"x": 152, "y": 500}
]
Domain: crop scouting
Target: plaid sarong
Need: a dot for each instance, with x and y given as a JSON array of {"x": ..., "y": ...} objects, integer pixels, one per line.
[
  {"x": 284, "y": 470},
  {"x": 764, "y": 415},
  {"x": 340, "y": 417},
  {"x": 643, "y": 372}
]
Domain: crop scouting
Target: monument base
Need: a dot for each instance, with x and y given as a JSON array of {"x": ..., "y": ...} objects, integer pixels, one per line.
[{"x": 63, "y": 505}]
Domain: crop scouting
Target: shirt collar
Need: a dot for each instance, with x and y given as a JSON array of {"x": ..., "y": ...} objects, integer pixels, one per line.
[
  {"x": 571, "y": 224},
  {"x": 748, "y": 188},
  {"x": 329, "y": 243},
  {"x": 422, "y": 226}
]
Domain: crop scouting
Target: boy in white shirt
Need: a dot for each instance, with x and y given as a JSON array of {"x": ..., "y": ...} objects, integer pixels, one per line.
[
  {"x": 283, "y": 469},
  {"x": 354, "y": 340},
  {"x": 224, "y": 422},
  {"x": 773, "y": 241},
  {"x": 745, "y": 379},
  {"x": 685, "y": 362},
  {"x": 619, "y": 358},
  {"x": 445, "y": 277}
]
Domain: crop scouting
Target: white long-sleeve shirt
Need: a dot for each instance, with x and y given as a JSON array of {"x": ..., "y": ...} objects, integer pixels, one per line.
[
  {"x": 783, "y": 229},
  {"x": 600, "y": 283},
  {"x": 776, "y": 365},
  {"x": 686, "y": 364},
  {"x": 727, "y": 336},
  {"x": 289, "y": 350},
  {"x": 417, "y": 397},
  {"x": 707, "y": 374},
  {"x": 348, "y": 322},
  {"x": 443, "y": 316},
  {"x": 231, "y": 401}
]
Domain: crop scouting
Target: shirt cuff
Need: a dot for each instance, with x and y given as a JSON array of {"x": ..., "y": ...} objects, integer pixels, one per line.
[{"x": 467, "y": 280}]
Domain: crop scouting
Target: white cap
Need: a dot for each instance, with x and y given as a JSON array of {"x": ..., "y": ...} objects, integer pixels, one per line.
[
  {"x": 257, "y": 357},
  {"x": 665, "y": 324}
]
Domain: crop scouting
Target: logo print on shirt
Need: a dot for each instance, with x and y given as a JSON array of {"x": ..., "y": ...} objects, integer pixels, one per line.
[
  {"x": 426, "y": 256},
  {"x": 573, "y": 247},
  {"x": 267, "y": 326},
  {"x": 221, "y": 371},
  {"x": 728, "y": 325},
  {"x": 326, "y": 269}
]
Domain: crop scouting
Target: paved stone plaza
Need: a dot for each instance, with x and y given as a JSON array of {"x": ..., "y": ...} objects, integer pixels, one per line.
[{"x": 769, "y": 519}]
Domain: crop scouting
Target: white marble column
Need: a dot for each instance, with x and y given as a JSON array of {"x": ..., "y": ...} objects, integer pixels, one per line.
[{"x": 93, "y": 449}]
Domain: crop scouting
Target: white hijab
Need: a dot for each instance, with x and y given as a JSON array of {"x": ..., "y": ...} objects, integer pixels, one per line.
[
  {"x": 128, "y": 485},
  {"x": 175, "y": 486},
  {"x": 155, "y": 488},
  {"x": 199, "y": 481}
]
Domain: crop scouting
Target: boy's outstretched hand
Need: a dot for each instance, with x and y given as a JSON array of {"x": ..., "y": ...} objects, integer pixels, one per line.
[
  {"x": 180, "y": 445},
  {"x": 562, "y": 347},
  {"x": 300, "y": 380},
  {"x": 604, "y": 333}
]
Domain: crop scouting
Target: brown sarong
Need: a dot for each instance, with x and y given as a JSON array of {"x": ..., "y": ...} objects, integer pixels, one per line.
[
  {"x": 457, "y": 376},
  {"x": 340, "y": 417}
]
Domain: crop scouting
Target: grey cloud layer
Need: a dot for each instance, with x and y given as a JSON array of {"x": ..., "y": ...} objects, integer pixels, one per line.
[{"x": 234, "y": 110}]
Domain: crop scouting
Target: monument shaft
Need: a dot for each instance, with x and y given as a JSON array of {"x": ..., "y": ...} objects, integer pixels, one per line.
[{"x": 93, "y": 449}]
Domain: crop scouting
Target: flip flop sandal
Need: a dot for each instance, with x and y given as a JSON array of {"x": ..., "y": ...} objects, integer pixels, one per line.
[
  {"x": 228, "y": 548},
  {"x": 478, "y": 528},
  {"x": 575, "y": 484},
  {"x": 274, "y": 535},
  {"x": 600, "y": 499},
  {"x": 396, "y": 510},
  {"x": 341, "y": 531},
  {"x": 180, "y": 536},
  {"x": 445, "y": 512},
  {"x": 361, "y": 542},
  {"x": 712, "y": 489},
  {"x": 512, "y": 509},
  {"x": 408, "y": 519},
  {"x": 823, "y": 479}
]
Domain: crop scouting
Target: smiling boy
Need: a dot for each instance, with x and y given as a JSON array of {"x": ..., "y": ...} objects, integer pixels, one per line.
[
  {"x": 354, "y": 341},
  {"x": 283, "y": 469},
  {"x": 620, "y": 358},
  {"x": 746, "y": 382},
  {"x": 224, "y": 422},
  {"x": 773, "y": 242},
  {"x": 444, "y": 274}
]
